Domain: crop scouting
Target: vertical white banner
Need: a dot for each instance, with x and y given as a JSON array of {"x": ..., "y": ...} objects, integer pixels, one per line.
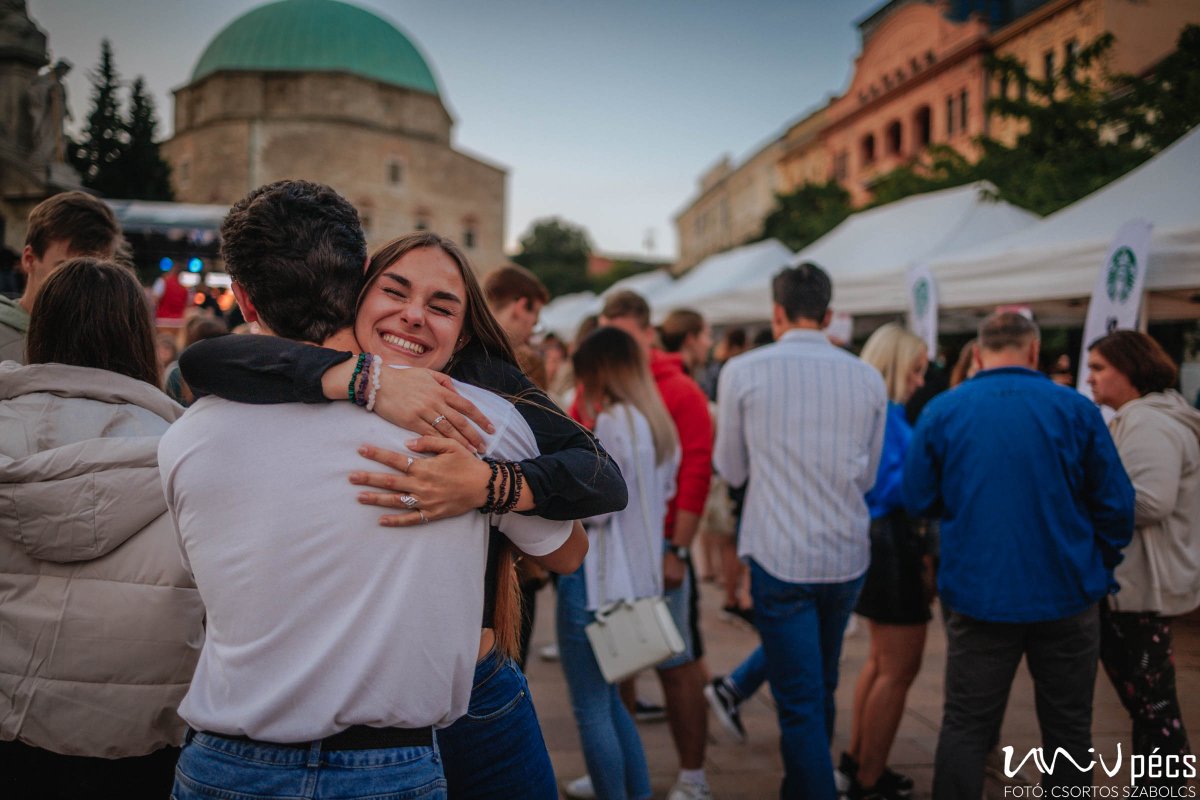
[
  {"x": 923, "y": 307},
  {"x": 1117, "y": 295},
  {"x": 841, "y": 329}
]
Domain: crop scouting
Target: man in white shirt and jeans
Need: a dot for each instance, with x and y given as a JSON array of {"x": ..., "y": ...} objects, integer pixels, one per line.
[
  {"x": 803, "y": 421},
  {"x": 334, "y": 646}
]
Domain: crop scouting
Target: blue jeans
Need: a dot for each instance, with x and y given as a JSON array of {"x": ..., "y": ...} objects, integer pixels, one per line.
[
  {"x": 749, "y": 675},
  {"x": 801, "y": 625},
  {"x": 497, "y": 750},
  {"x": 214, "y": 768},
  {"x": 612, "y": 749}
]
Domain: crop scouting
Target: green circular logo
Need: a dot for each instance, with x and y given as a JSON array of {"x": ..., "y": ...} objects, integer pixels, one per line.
[
  {"x": 1122, "y": 272},
  {"x": 921, "y": 296}
]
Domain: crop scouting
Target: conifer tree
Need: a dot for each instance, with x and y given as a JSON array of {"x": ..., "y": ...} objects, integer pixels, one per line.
[
  {"x": 104, "y": 137},
  {"x": 142, "y": 173}
]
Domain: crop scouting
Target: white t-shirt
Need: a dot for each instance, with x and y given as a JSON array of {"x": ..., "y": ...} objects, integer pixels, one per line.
[
  {"x": 625, "y": 548},
  {"x": 318, "y": 618}
]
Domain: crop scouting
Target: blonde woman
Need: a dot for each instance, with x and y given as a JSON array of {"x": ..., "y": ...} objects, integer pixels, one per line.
[
  {"x": 893, "y": 598},
  {"x": 634, "y": 427}
]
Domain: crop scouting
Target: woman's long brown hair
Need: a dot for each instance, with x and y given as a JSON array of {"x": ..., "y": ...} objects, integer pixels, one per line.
[
  {"x": 485, "y": 339},
  {"x": 93, "y": 313}
]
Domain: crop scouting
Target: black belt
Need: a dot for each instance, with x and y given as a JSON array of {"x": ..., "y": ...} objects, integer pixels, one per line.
[{"x": 356, "y": 737}]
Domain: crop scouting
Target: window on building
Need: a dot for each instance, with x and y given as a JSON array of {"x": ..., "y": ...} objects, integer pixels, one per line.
[
  {"x": 1070, "y": 50},
  {"x": 963, "y": 108},
  {"x": 950, "y": 115},
  {"x": 841, "y": 166},
  {"x": 1003, "y": 90},
  {"x": 868, "y": 149},
  {"x": 1048, "y": 64},
  {"x": 895, "y": 137},
  {"x": 1023, "y": 89},
  {"x": 887, "y": 82},
  {"x": 468, "y": 234},
  {"x": 423, "y": 221},
  {"x": 395, "y": 173},
  {"x": 922, "y": 127}
]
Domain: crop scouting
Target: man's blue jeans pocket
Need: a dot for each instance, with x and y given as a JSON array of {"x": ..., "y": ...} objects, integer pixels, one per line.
[{"x": 214, "y": 768}]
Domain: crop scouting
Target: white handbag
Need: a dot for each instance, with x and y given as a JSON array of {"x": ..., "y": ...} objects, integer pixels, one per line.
[
  {"x": 631, "y": 635},
  {"x": 627, "y": 637}
]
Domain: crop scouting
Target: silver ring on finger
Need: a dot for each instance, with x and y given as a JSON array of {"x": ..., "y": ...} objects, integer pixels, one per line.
[
  {"x": 424, "y": 519},
  {"x": 408, "y": 500},
  {"x": 408, "y": 466},
  {"x": 440, "y": 418}
]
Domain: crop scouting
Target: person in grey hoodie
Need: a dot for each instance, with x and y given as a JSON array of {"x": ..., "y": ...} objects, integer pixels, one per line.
[
  {"x": 100, "y": 621},
  {"x": 67, "y": 225},
  {"x": 1157, "y": 434}
]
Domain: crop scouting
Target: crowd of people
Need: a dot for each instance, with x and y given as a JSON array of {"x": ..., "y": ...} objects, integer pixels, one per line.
[{"x": 217, "y": 603}]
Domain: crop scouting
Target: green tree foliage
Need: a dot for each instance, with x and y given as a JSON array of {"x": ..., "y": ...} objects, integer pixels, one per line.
[
  {"x": 1079, "y": 133},
  {"x": 104, "y": 137},
  {"x": 142, "y": 172},
  {"x": 805, "y": 215},
  {"x": 557, "y": 252},
  {"x": 118, "y": 156}
]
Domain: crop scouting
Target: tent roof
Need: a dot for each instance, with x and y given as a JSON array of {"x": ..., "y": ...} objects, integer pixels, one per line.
[
  {"x": 722, "y": 272},
  {"x": 563, "y": 314},
  {"x": 868, "y": 254},
  {"x": 146, "y": 216},
  {"x": 1058, "y": 257}
]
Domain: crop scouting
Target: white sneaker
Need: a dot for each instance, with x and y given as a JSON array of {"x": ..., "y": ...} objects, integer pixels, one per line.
[
  {"x": 580, "y": 789},
  {"x": 689, "y": 791},
  {"x": 548, "y": 652}
]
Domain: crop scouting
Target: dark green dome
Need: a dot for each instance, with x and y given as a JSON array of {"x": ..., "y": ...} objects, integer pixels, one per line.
[{"x": 317, "y": 36}]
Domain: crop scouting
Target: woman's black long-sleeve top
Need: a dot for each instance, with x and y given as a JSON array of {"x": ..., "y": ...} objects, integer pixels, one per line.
[{"x": 573, "y": 478}]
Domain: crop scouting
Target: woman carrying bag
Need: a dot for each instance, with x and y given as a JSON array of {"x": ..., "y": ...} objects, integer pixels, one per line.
[{"x": 625, "y": 558}]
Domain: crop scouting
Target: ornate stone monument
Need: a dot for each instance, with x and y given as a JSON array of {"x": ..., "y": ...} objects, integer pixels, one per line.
[{"x": 33, "y": 106}]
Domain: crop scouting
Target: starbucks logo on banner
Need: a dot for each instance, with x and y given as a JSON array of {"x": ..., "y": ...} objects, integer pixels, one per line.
[
  {"x": 921, "y": 296},
  {"x": 1122, "y": 272}
]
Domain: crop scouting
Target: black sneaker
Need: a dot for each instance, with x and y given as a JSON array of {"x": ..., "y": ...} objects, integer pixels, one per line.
[
  {"x": 893, "y": 784},
  {"x": 844, "y": 774},
  {"x": 724, "y": 705},
  {"x": 648, "y": 712}
]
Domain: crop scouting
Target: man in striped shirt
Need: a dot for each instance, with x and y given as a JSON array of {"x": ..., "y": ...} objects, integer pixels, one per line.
[{"x": 802, "y": 421}]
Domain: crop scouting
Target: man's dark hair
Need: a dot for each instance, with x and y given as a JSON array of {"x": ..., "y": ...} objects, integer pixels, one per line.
[
  {"x": 511, "y": 283},
  {"x": 298, "y": 250},
  {"x": 626, "y": 303},
  {"x": 679, "y": 325},
  {"x": 1005, "y": 329},
  {"x": 803, "y": 291},
  {"x": 85, "y": 223},
  {"x": 1139, "y": 358},
  {"x": 735, "y": 338}
]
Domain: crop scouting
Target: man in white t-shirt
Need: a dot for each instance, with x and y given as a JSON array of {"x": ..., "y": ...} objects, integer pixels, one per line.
[{"x": 334, "y": 646}]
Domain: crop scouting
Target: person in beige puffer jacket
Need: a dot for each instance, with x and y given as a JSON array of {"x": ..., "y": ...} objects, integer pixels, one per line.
[
  {"x": 1157, "y": 435},
  {"x": 100, "y": 622}
]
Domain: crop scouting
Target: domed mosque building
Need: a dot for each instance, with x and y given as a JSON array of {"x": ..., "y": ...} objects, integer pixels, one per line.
[{"x": 330, "y": 92}]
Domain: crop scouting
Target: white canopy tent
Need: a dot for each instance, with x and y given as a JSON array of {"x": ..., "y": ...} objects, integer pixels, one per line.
[
  {"x": 1059, "y": 256},
  {"x": 721, "y": 273},
  {"x": 868, "y": 254},
  {"x": 562, "y": 315}
]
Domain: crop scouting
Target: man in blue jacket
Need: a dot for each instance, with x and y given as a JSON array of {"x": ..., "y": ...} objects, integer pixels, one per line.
[{"x": 1035, "y": 509}]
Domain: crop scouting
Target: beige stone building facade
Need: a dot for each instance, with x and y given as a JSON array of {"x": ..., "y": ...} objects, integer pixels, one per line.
[
  {"x": 731, "y": 207},
  {"x": 276, "y": 96}
]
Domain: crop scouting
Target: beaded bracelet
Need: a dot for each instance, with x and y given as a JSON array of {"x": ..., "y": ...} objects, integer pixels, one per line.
[
  {"x": 501, "y": 498},
  {"x": 490, "y": 504},
  {"x": 364, "y": 380},
  {"x": 376, "y": 368},
  {"x": 515, "y": 494},
  {"x": 362, "y": 358}
]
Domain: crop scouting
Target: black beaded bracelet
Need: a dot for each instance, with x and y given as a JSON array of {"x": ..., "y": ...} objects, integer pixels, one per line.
[
  {"x": 490, "y": 505},
  {"x": 362, "y": 358}
]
